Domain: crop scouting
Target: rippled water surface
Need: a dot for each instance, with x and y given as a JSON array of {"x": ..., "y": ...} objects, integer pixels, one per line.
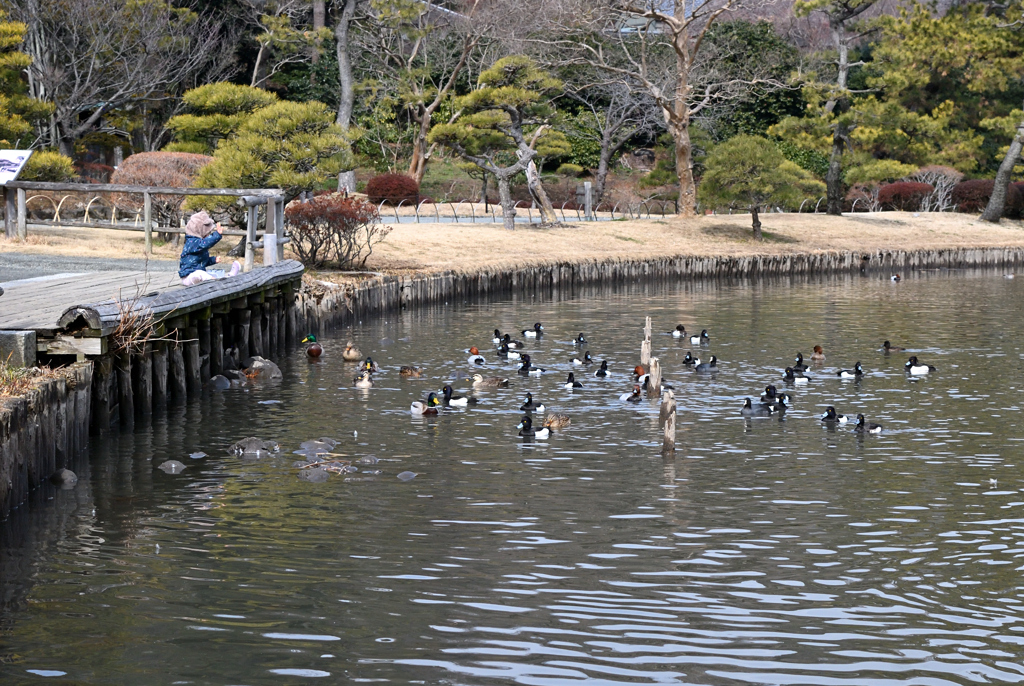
[{"x": 765, "y": 552}]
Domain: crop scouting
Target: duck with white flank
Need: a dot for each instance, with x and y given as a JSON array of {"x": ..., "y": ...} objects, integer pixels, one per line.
[
  {"x": 505, "y": 353},
  {"x": 794, "y": 377},
  {"x": 706, "y": 367},
  {"x": 475, "y": 357},
  {"x": 527, "y": 368},
  {"x": 689, "y": 360},
  {"x": 530, "y": 406},
  {"x": 918, "y": 368},
  {"x": 799, "y": 365},
  {"x": 536, "y": 332},
  {"x": 420, "y": 409},
  {"x": 864, "y": 427},
  {"x": 888, "y": 347},
  {"x": 571, "y": 382},
  {"x": 830, "y": 416},
  {"x": 511, "y": 342},
  {"x": 603, "y": 371},
  {"x": 526, "y": 429},
  {"x": 679, "y": 331},
  {"x": 580, "y": 340},
  {"x": 587, "y": 360},
  {"x": 456, "y": 400},
  {"x": 702, "y": 339},
  {"x": 854, "y": 373},
  {"x": 633, "y": 397}
]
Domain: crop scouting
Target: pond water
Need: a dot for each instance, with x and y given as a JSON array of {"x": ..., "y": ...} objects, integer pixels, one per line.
[{"x": 765, "y": 552}]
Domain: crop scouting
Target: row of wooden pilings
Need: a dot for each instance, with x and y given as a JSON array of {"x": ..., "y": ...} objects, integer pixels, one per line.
[
  {"x": 187, "y": 351},
  {"x": 342, "y": 305}
]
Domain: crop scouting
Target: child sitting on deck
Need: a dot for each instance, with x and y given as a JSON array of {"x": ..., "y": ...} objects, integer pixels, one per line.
[{"x": 201, "y": 234}]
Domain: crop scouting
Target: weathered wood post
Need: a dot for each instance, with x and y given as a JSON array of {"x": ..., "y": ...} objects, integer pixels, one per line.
[
  {"x": 279, "y": 212},
  {"x": 142, "y": 380},
  {"x": 103, "y": 373},
  {"x": 588, "y": 202},
  {"x": 654, "y": 382},
  {"x": 291, "y": 319},
  {"x": 271, "y": 308},
  {"x": 147, "y": 220},
  {"x": 216, "y": 345},
  {"x": 668, "y": 418},
  {"x": 194, "y": 384},
  {"x": 203, "y": 328},
  {"x": 125, "y": 397},
  {"x": 645, "y": 347},
  {"x": 176, "y": 373},
  {"x": 250, "y": 239},
  {"x": 240, "y": 335},
  {"x": 256, "y": 331},
  {"x": 10, "y": 211},
  {"x": 22, "y": 215},
  {"x": 160, "y": 374}
]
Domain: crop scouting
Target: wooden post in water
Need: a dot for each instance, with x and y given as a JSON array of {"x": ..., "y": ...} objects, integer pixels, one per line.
[
  {"x": 125, "y": 397},
  {"x": 256, "y": 331},
  {"x": 203, "y": 327},
  {"x": 216, "y": 345},
  {"x": 654, "y": 383},
  {"x": 176, "y": 373},
  {"x": 250, "y": 239},
  {"x": 147, "y": 221},
  {"x": 142, "y": 381},
  {"x": 241, "y": 332},
  {"x": 103, "y": 372},
  {"x": 647, "y": 329},
  {"x": 645, "y": 347},
  {"x": 159, "y": 374},
  {"x": 193, "y": 383},
  {"x": 668, "y": 418}
]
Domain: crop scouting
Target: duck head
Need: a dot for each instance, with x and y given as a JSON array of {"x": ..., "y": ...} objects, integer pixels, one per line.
[
  {"x": 771, "y": 391},
  {"x": 447, "y": 392},
  {"x": 537, "y": 327},
  {"x": 432, "y": 400},
  {"x": 830, "y": 413},
  {"x": 474, "y": 351},
  {"x": 525, "y": 423},
  {"x": 309, "y": 339}
]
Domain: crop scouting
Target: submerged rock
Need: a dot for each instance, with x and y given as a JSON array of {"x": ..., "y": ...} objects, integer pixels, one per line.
[
  {"x": 254, "y": 447},
  {"x": 197, "y": 456},
  {"x": 314, "y": 475},
  {"x": 219, "y": 383},
  {"x": 260, "y": 369},
  {"x": 171, "y": 467},
  {"x": 407, "y": 476},
  {"x": 369, "y": 459},
  {"x": 64, "y": 478}
]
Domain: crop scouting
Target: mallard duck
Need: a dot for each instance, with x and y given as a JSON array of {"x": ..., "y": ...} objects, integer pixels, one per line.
[
  {"x": 414, "y": 372},
  {"x": 314, "y": 349},
  {"x": 351, "y": 353},
  {"x": 433, "y": 400},
  {"x": 479, "y": 381},
  {"x": 418, "y": 408},
  {"x": 557, "y": 420},
  {"x": 370, "y": 366},
  {"x": 364, "y": 380}
]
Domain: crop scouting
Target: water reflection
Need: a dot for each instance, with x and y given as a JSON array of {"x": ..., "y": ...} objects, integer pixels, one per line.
[{"x": 768, "y": 551}]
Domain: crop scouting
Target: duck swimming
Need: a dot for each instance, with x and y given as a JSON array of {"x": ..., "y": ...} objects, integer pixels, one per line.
[
  {"x": 530, "y": 406},
  {"x": 895, "y": 278},
  {"x": 854, "y": 373},
  {"x": 706, "y": 367},
  {"x": 475, "y": 357},
  {"x": 418, "y": 408},
  {"x": 433, "y": 400},
  {"x": 526, "y": 429},
  {"x": 413, "y": 372},
  {"x": 364, "y": 380},
  {"x": 512, "y": 344},
  {"x": 799, "y": 366},
  {"x": 603, "y": 371},
  {"x": 579, "y": 340},
  {"x": 770, "y": 394},
  {"x": 497, "y": 337},
  {"x": 759, "y": 410},
  {"x": 633, "y": 397},
  {"x": 863, "y": 427},
  {"x": 536, "y": 332},
  {"x": 792, "y": 376},
  {"x": 889, "y": 348},
  {"x": 504, "y": 352},
  {"x": 830, "y": 416},
  {"x": 456, "y": 400},
  {"x": 527, "y": 368},
  {"x": 557, "y": 420},
  {"x": 571, "y": 382},
  {"x": 587, "y": 360},
  {"x": 314, "y": 349},
  {"x": 679, "y": 331},
  {"x": 689, "y": 360},
  {"x": 490, "y": 382},
  {"x": 818, "y": 355},
  {"x": 701, "y": 339},
  {"x": 916, "y": 368},
  {"x": 370, "y": 366}
]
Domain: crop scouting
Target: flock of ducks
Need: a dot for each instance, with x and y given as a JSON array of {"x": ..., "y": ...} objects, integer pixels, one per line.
[{"x": 772, "y": 402}]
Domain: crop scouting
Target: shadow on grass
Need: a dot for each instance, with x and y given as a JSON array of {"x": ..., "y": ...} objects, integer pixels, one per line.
[{"x": 744, "y": 234}]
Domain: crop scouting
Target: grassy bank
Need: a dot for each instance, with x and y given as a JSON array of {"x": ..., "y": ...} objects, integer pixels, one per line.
[{"x": 466, "y": 247}]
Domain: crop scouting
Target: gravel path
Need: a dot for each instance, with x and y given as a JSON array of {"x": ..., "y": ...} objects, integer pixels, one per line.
[{"x": 14, "y": 266}]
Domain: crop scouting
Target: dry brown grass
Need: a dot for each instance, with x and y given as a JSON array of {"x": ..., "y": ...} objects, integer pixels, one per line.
[
  {"x": 469, "y": 247},
  {"x": 16, "y": 381}
]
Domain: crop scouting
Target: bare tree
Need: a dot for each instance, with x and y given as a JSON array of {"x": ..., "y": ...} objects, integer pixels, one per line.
[
  {"x": 659, "y": 46},
  {"x": 274, "y": 25},
  {"x": 345, "y": 12},
  {"x": 90, "y": 57}
]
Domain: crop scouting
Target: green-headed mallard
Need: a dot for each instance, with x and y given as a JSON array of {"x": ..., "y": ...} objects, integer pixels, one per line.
[{"x": 314, "y": 349}]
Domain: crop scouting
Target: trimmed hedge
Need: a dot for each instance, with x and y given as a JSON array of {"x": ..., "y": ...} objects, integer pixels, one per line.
[
  {"x": 972, "y": 197},
  {"x": 393, "y": 189},
  {"x": 163, "y": 169},
  {"x": 904, "y": 196}
]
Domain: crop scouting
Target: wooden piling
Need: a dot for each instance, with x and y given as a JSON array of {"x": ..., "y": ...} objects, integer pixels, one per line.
[
  {"x": 190, "y": 353},
  {"x": 668, "y": 420},
  {"x": 241, "y": 331},
  {"x": 645, "y": 354},
  {"x": 177, "y": 381},
  {"x": 216, "y": 345},
  {"x": 125, "y": 397},
  {"x": 103, "y": 394},
  {"x": 142, "y": 381},
  {"x": 203, "y": 333},
  {"x": 654, "y": 382},
  {"x": 256, "y": 330},
  {"x": 160, "y": 374}
]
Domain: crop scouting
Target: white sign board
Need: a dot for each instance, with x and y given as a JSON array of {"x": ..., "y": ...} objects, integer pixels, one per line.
[{"x": 11, "y": 162}]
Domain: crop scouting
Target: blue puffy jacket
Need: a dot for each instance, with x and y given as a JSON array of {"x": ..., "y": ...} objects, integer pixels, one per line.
[{"x": 195, "y": 255}]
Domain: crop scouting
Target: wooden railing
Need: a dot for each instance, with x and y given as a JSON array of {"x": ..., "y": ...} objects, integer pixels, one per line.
[{"x": 16, "y": 221}]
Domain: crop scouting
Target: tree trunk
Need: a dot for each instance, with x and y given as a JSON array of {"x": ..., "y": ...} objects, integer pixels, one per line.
[
  {"x": 347, "y": 100},
  {"x": 684, "y": 169},
  {"x": 834, "y": 177},
  {"x": 997, "y": 201},
  {"x": 420, "y": 155},
  {"x": 319, "y": 22},
  {"x": 540, "y": 197},
  {"x": 603, "y": 163},
  {"x": 756, "y": 223},
  {"x": 483, "y": 191},
  {"x": 508, "y": 209}
]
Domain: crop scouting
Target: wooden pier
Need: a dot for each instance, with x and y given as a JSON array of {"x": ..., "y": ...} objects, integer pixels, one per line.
[{"x": 77, "y": 317}]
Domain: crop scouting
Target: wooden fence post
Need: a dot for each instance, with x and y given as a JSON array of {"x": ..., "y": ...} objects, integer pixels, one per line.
[
  {"x": 10, "y": 212},
  {"x": 22, "y": 215},
  {"x": 668, "y": 418},
  {"x": 148, "y": 221},
  {"x": 279, "y": 211},
  {"x": 250, "y": 239},
  {"x": 654, "y": 382}
]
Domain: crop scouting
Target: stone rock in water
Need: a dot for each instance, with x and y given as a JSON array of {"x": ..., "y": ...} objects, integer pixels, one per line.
[
  {"x": 407, "y": 476},
  {"x": 219, "y": 383},
  {"x": 369, "y": 459},
  {"x": 198, "y": 456},
  {"x": 314, "y": 475},
  {"x": 264, "y": 370},
  {"x": 64, "y": 477},
  {"x": 171, "y": 467},
  {"x": 254, "y": 447}
]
